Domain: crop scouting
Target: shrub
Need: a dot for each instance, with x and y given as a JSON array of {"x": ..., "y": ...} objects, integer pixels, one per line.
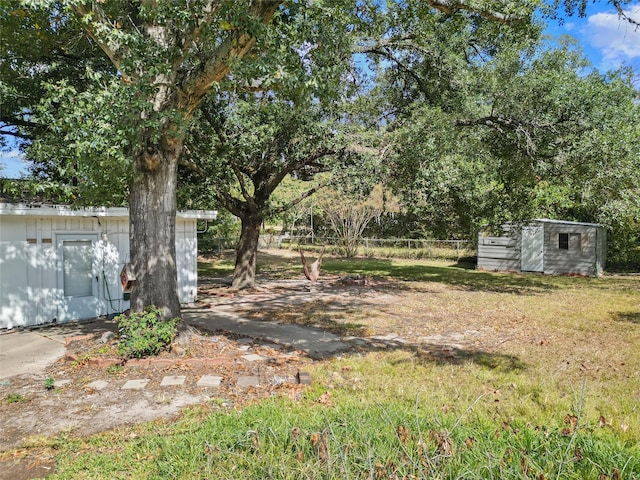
[{"x": 144, "y": 334}]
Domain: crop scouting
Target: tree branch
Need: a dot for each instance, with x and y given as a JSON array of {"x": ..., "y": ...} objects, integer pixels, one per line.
[
  {"x": 293, "y": 203},
  {"x": 229, "y": 202},
  {"x": 384, "y": 43},
  {"x": 193, "y": 167},
  {"x": 15, "y": 134},
  {"x": 243, "y": 186},
  {"x": 236, "y": 45},
  {"x": 622, "y": 14},
  {"x": 277, "y": 178},
  {"x": 89, "y": 15},
  {"x": 450, "y": 7}
]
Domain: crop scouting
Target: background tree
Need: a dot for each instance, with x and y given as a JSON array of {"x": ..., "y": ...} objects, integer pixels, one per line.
[
  {"x": 530, "y": 132},
  {"x": 39, "y": 47},
  {"x": 248, "y": 149},
  {"x": 349, "y": 216}
]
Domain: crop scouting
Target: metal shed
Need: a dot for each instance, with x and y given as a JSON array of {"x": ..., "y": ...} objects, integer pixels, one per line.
[
  {"x": 59, "y": 264},
  {"x": 546, "y": 246}
]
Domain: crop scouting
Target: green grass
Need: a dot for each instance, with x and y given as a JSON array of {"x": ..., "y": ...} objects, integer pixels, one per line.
[
  {"x": 558, "y": 399},
  {"x": 351, "y": 439}
]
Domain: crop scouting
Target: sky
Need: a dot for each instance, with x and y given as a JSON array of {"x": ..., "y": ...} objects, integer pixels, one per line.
[{"x": 608, "y": 42}]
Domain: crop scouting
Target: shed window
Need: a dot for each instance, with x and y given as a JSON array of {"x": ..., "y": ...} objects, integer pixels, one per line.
[{"x": 563, "y": 241}]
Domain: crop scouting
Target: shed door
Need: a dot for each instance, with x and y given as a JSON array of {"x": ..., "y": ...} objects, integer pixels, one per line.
[
  {"x": 532, "y": 250},
  {"x": 78, "y": 277}
]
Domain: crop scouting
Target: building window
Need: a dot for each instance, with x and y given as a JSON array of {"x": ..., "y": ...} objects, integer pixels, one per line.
[{"x": 563, "y": 241}]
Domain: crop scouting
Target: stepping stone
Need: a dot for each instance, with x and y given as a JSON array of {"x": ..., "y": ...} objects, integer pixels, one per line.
[
  {"x": 210, "y": 381},
  {"x": 244, "y": 348},
  {"x": 252, "y": 357},
  {"x": 61, "y": 383},
  {"x": 98, "y": 385},
  {"x": 172, "y": 380},
  {"x": 249, "y": 381},
  {"x": 279, "y": 380},
  {"x": 138, "y": 384}
]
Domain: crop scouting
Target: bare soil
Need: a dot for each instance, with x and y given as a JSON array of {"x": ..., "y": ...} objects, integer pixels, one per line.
[{"x": 438, "y": 321}]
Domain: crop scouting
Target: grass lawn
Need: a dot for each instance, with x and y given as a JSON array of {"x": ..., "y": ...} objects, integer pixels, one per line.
[{"x": 544, "y": 384}]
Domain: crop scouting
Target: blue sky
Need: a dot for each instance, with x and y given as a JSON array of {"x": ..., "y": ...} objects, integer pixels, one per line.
[{"x": 606, "y": 40}]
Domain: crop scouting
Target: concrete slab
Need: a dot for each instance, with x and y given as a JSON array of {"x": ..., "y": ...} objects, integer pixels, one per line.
[
  {"x": 137, "y": 384},
  {"x": 315, "y": 342},
  {"x": 209, "y": 381},
  {"x": 171, "y": 380},
  {"x": 31, "y": 350},
  {"x": 27, "y": 351},
  {"x": 252, "y": 357},
  {"x": 248, "y": 381},
  {"x": 98, "y": 384}
]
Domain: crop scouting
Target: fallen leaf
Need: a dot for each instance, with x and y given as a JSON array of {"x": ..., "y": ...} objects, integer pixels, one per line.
[
  {"x": 325, "y": 399},
  {"x": 442, "y": 441},
  {"x": 403, "y": 433},
  {"x": 578, "y": 454}
]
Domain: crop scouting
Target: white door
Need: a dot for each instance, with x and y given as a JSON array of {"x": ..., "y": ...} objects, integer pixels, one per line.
[
  {"x": 78, "y": 277},
  {"x": 532, "y": 249}
]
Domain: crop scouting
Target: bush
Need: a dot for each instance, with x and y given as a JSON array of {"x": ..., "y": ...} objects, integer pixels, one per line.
[{"x": 144, "y": 334}]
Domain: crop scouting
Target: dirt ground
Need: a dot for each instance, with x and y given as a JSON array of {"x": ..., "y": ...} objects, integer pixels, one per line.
[
  {"x": 80, "y": 404},
  {"x": 436, "y": 320},
  {"x": 75, "y": 406}
]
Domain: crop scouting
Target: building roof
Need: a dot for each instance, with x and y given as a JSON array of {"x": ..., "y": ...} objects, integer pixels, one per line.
[
  {"x": 46, "y": 210},
  {"x": 567, "y": 222}
]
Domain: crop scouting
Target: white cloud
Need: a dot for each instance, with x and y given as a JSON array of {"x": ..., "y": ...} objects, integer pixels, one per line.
[
  {"x": 12, "y": 164},
  {"x": 617, "y": 40}
]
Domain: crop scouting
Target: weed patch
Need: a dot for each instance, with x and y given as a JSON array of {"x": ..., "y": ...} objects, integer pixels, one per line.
[
  {"x": 144, "y": 334},
  {"x": 16, "y": 398}
]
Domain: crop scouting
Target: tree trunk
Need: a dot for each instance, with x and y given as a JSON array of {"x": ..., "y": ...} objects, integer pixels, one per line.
[
  {"x": 152, "y": 221},
  {"x": 244, "y": 275}
]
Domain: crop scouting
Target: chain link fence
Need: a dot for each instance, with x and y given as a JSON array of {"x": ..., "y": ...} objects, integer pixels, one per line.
[{"x": 370, "y": 247}]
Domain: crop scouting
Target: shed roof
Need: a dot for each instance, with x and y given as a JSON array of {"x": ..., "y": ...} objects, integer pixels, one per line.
[
  {"x": 567, "y": 222},
  {"x": 45, "y": 210}
]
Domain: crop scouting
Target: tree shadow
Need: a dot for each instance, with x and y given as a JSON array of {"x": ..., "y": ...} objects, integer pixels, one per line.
[
  {"x": 631, "y": 317},
  {"x": 460, "y": 274},
  {"x": 444, "y": 355},
  {"x": 76, "y": 328},
  {"x": 345, "y": 318}
]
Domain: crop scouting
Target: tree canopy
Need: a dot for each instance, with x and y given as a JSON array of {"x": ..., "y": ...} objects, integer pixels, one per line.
[{"x": 473, "y": 121}]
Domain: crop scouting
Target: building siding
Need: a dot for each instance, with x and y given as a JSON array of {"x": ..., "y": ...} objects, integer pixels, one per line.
[
  {"x": 31, "y": 263},
  {"x": 583, "y": 251}
]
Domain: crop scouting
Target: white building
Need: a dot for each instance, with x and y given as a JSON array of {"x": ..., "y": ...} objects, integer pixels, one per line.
[{"x": 58, "y": 264}]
